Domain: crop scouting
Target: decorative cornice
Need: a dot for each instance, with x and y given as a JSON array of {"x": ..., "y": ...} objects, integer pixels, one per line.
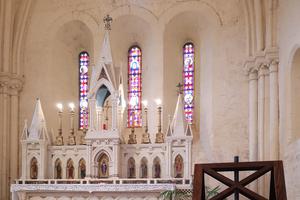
[{"x": 10, "y": 84}]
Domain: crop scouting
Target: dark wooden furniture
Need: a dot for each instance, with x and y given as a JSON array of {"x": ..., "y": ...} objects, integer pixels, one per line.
[{"x": 277, "y": 183}]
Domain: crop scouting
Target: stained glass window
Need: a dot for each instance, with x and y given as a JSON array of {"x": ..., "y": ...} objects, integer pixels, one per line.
[
  {"x": 188, "y": 81},
  {"x": 83, "y": 89},
  {"x": 134, "y": 87}
]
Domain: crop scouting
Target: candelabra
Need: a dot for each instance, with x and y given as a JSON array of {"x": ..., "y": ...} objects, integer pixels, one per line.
[
  {"x": 132, "y": 137},
  {"x": 146, "y": 136},
  {"x": 59, "y": 139},
  {"x": 159, "y": 135},
  {"x": 72, "y": 140}
]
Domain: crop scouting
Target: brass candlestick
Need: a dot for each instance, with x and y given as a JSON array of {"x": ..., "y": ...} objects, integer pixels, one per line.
[
  {"x": 59, "y": 139},
  {"x": 159, "y": 135},
  {"x": 146, "y": 136}
]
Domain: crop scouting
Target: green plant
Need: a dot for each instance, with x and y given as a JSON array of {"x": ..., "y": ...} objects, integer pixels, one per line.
[
  {"x": 175, "y": 195},
  {"x": 211, "y": 192},
  {"x": 187, "y": 194}
]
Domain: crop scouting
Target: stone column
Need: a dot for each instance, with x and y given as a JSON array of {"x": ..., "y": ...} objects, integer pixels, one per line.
[
  {"x": 4, "y": 137},
  {"x": 253, "y": 137},
  {"x": 261, "y": 105},
  {"x": 274, "y": 111},
  {"x": 261, "y": 120}
]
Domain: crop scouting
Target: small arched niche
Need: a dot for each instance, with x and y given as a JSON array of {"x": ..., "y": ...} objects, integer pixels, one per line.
[
  {"x": 178, "y": 167},
  {"x": 70, "y": 169},
  {"x": 57, "y": 169},
  {"x": 156, "y": 171},
  {"x": 104, "y": 106},
  {"x": 103, "y": 166},
  {"x": 144, "y": 168},
  {"x": 131, "y": 168},
  {"x": 81, "y": 169},
  {"x": 295, "y": 96},
  {"x": 34, "y": 168}
]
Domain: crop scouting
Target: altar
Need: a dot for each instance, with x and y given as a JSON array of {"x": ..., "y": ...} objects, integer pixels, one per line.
[{"x": 148, "y": 189}]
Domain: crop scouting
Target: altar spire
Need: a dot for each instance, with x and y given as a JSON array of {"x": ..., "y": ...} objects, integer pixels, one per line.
[{"x": 37, "y": 129}]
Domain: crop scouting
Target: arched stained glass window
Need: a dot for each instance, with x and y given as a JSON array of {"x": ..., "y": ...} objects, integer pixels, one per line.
[
  {"x": 134, "y": 87},
  {"x": 188, "y": 81},
  {"x": 83, "y": 89}
]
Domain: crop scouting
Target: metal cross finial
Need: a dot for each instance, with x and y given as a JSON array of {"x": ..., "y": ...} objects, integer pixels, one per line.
[
  {"x": 107, "y": 22},
  {"x": 180, "y": 88}
]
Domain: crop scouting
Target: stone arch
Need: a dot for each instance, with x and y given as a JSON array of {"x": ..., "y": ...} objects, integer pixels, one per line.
[
  {"x": 81, "y": 168},
  {"x": 88, "y": 20},
  {"x": 144, "y": 168},
  {"x": 58, "y": 169},
  {"x": 34, "y": 169},
  {"x": 156, "y": 169},
  {"x": 135, "y": 10},
  {"x": 70, "y": 170},
  {"x": 131, "y": 170},
  {"x": 294, "y": 89},
  {"x": 178, "y": 167},
  {"x": 103, "y": 165},
  {"x": 209, "y": 12}
]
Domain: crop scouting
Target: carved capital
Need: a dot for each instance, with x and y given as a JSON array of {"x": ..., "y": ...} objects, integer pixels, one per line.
[
  {"x": 274, "y": 65},
  {"x": 263, "y": 69},
  {"x": 10, "y": 84},
  {"x": 253, "y": 74}
]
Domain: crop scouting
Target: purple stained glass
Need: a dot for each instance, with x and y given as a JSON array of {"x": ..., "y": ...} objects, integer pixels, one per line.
[
  {"x": 188, "y": 81},
  {"x": 83, "y": 89},
  {"x": 134, "y": 118}
]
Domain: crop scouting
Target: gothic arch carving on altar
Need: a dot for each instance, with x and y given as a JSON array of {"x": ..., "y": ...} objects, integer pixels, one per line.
[
  {"x": 70, "y": 173},
  {"x": 156, "y": 168},
  {"x": 144, "y": 168},
  {"x": 81, "y": 168},
  {"x": 103, "y": 165},
  {"x": 178, "y": 167},
  {"x": 131, "y": 169},
  {"x": 58, "y": 169},
  {"x": 34, "y": 169}
]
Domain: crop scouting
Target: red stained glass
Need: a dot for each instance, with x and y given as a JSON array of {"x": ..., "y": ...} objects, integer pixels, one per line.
[
  {"x": 83, "y": 89},
  {"x": 188, "y": 80},
  {"x": 134, "y": 111}
]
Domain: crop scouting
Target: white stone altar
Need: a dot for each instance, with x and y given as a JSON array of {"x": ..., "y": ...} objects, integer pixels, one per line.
[{"x": 103, "y": 165}]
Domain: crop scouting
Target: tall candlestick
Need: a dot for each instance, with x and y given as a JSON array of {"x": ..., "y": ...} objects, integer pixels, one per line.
[
  {"x": 72, "y": 140},
  {"x": 60, "y": 107},
  {"x": 159, "y": 119},
  {"x": 159, "y": 135},
  {"x": 59, "y": 138}
]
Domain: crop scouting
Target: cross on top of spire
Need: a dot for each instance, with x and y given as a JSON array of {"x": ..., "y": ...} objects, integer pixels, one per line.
[
  {"x": 107, "y": 22},
  {"x": 179, "y": 88}
]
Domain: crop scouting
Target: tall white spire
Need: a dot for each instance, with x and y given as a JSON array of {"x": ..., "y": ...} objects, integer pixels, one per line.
[
  {"x": 177, "y": 124},
  {"x": 105, "y": 53},
  {"x": 37, "y": 129},
  {"x": 105, "y": 68}
]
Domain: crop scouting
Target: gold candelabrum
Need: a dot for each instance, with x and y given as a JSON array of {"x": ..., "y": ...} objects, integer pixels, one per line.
[
  {"x": 59, "y": 139},
  {"x": 146, "y": 136},
  {"x": 132, "y": 137},
  {"x": 72, "y": 139},
  {"x": 159, "y": 135}
]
